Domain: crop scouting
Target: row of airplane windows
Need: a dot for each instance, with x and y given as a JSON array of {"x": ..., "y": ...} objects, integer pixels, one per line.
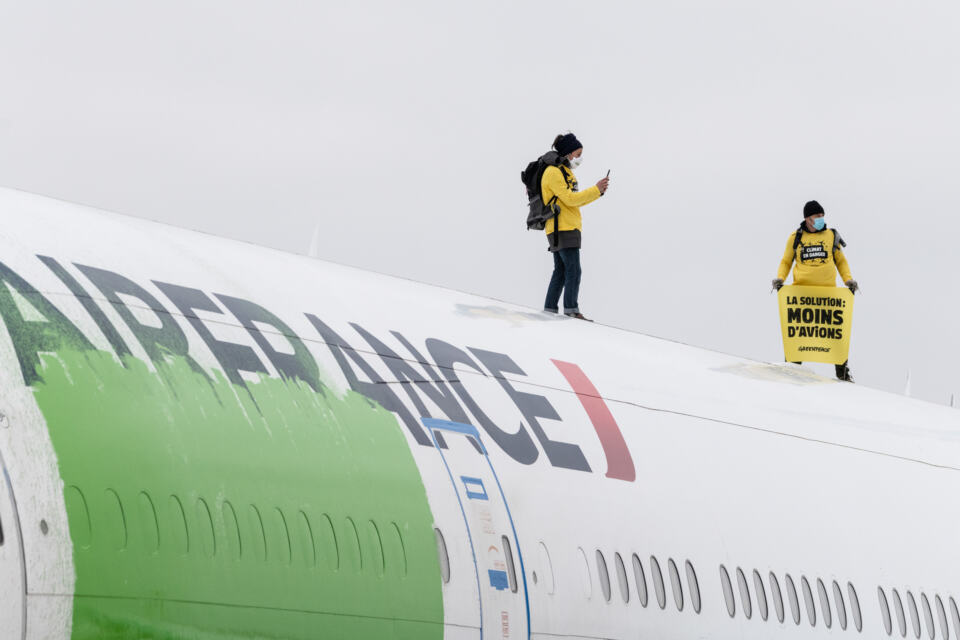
[
  {"x": 640, "y": 580},
  {"x": 914, "y": 613},
  {"x": 846, "y": 609},
  {"x": 272, "y": 535},
  {"x": 793, "y": 598},
  {"x": 908, "y": 619},
  {"x": 603, "y": 574}
]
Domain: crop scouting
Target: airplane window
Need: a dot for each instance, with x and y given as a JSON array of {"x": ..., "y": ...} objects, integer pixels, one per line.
[
  {"x": 841, "y": 609},
  {"x": 776, "y": 596},
  {"x": 79, "y": 516},
  {"x": 181, "y": 535},
  {"x": 942, "y": 616},
  {"x": 727, "y": 591},
  {"x": 641, "y": 579},
  {"x": 928, "y": 616},
  {"x": 205, "y": 522},
  {"x": 658, "y": 583},
  {"x": 511, "y": 570},
  {"x": 352, "y": 545},
  {"x": 604, "y": 575},
  {"x": 327, "y": 539},
  {"x": 898, "y": 609},
  {"x": 694, "y": 587},
  {"x": 761, "y": 595},
  {"x": 914, "y": 614},
  {"x": 675, "y": 584},
  {"x": 546, "y": 569},
  {"x": 854, "y": 606},
  {"x": 885, "y": 610},
  {"x": 587, "y": 580},
  {"x": 622, "y": 578},
  {"x": 150, "y": 526},
  {"x": 956, "y": 617},
  {"x": 118, "y": 518},
  {"x": 397, "y": 543},
  {"x": 808, "y": 601},
  {"x": 744, "y": 593},
  {"x": 824, "y": 604},
  {"x": 375, "y": 541},
  {"x": 284, "y": 547},
  {"x": 794, "y": 601},
  {"x": 442, "y": 555}
]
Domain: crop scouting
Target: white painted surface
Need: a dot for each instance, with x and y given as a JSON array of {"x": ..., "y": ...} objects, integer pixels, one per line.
[{"x": 740, "y": 463}]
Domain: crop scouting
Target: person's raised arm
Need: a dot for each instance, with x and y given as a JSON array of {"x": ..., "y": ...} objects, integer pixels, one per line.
[{"x": 554, "y": 183}]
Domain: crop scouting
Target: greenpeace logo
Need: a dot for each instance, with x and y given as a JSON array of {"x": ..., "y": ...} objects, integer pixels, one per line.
[{"x": 820, "y": 349}]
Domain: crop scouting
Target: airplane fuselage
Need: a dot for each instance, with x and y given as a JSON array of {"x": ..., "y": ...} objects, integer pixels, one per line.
[{"x": 205, "y": 439}]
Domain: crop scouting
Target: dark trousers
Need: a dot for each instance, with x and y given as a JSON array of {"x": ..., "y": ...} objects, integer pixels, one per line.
[{"x": 566, "y": 278}]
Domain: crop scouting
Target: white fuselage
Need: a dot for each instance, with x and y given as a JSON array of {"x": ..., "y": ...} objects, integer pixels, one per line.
[{"x": 722, "y": 464}]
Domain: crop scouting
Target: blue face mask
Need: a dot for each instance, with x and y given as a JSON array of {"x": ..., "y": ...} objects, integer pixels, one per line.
[{"x": 820, "y": 224}]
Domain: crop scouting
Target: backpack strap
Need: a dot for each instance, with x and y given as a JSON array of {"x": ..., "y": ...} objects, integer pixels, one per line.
[
  {"x": 553, "y": 203},
  {"x": 797, "y": 238},
  {"x": 837, "y": 240},
  {"x": 556, "y": 221}
]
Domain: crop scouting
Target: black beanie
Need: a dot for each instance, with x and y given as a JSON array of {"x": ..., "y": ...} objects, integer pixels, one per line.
[
  {"x": 812, "y": 208},
  {"x": 567, "y": 144}
]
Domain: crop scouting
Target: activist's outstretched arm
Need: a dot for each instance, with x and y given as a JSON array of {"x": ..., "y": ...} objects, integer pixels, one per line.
[
  {"x": 787, "y": 260},
  {"x": 555, "y": 185},
  {"x": 842, "y": 265}
]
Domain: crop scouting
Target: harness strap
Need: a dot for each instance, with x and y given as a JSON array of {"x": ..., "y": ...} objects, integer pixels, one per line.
[
  {"x": 553, "y": 200},
  {"x": 837, "y": 240}
]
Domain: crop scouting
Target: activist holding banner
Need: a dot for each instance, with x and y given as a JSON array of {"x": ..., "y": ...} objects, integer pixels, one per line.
[{"x": 817, "y": 255}]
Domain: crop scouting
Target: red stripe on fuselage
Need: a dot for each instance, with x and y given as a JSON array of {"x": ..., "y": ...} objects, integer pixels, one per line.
[{"x": 619, "y": 461}]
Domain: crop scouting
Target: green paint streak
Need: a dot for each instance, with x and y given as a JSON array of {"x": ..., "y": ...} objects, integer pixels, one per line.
[{"x": 274, "y": 465}]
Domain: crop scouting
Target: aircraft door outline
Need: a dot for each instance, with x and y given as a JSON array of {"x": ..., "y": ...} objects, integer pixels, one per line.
[
  {"x": 493, "y": 580},
  {"x": 13, "y": 578}
]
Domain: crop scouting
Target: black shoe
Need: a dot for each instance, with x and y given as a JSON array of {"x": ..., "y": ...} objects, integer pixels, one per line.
[{"x": 577, "y": 315}]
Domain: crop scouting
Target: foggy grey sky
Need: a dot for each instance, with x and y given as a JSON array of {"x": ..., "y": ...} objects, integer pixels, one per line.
[{"x": 401, "y": 128}]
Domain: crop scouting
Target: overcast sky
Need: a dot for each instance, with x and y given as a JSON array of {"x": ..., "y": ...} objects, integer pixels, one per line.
[{"x": 400, "y": 129}]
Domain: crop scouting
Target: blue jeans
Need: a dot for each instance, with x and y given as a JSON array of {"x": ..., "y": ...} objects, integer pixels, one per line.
[{"x": 566, "y": 278}]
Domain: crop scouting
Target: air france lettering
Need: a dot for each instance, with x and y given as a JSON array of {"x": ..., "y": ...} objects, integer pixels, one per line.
[{"x": 420, "y": 378}]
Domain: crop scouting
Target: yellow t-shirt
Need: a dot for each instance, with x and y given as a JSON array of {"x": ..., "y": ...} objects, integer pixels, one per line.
[{"x": 817, "y": 262}]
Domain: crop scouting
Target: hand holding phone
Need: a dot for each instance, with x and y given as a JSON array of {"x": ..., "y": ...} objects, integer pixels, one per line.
[{"x": 603, "y": 182}]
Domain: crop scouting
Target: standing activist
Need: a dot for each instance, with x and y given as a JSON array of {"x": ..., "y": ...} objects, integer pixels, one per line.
[
  {"x": 555, "y": 201},
  {"x": 818, "y": 255}
]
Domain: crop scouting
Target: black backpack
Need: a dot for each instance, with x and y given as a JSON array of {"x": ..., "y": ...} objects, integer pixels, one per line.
[{"x": 539, "y": 212}]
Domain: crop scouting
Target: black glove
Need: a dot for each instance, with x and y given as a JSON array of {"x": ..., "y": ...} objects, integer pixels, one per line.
[
  {"x": 777, "y": 283},
  {"x": 852, "y": 285}
]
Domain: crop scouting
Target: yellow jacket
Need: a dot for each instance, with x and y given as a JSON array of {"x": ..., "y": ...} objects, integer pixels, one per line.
[
  {"x": 817, "y": 262},
  {"x": 568, "y": 197}
]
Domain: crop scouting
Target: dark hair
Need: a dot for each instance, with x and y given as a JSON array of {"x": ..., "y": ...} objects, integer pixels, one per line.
[{"x": 556, "y": 140}]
